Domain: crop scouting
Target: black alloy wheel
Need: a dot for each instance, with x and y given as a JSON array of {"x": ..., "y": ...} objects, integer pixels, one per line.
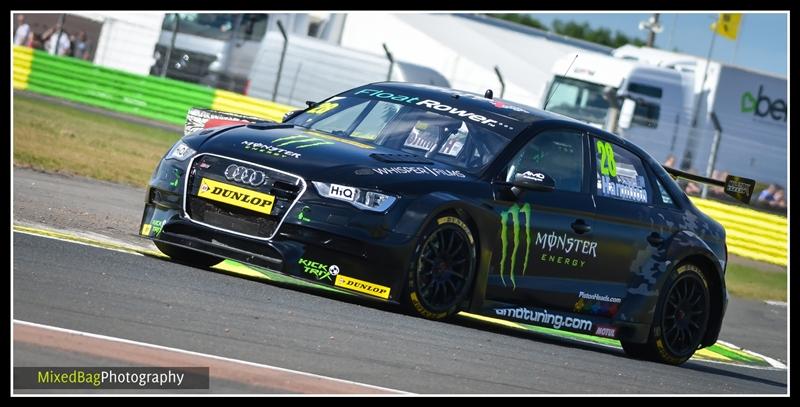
[{"x": 442, "y": 274}]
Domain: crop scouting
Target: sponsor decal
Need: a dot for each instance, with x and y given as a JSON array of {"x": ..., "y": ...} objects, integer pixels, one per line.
[
  {"x": 245, "y": 175},
  {"x": 174, "y": 183},
  {"x": 566, "y": 248},
  {"x": 377, "y": 93},
  {"x": 323, "y": 108},
  {"x": 502, "y": 105},
  {"x": 362, "y": 286},
  {"x": 270, "y": 150},
  {"x": 763, "y": 106},
  {"x": 199, "y": 119},
  {"x": 510, "y": 223},
  {"x": 302, "y": 215},
  {"x": 618, "y": 181},
  {"x": 154, "y": 227},
  {"x": 599, "y": 297},
  {"x": 236, "y": 196},
  {"x": 300, "y": 141},
  {"x": 537, "y": 177},
  {"x": 340, "y": 140},
  {"x": 319, "y": 270},
  {"x": 343, "y": 192},
  {"x": 435, "y": 105},
  {"x": 422, "y": 170},
  {"x": 543, "y": 317},
  {"x": 157, "y": 225},
  {"x": 606, "y": 331},
  {"x": 596, "y": 307},
  {"x": 597, "y": 304}
]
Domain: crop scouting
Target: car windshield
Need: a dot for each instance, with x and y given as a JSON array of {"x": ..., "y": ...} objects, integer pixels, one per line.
[
  {"x": 455, "y": 141},
  {"x": 578, "y": 99}
]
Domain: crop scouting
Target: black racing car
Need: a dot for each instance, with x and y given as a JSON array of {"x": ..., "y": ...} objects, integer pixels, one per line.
[{"x": 446, "y": 200}]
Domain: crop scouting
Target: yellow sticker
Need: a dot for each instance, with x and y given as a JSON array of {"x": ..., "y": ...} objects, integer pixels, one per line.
[
  {"x": 146, "y": 229},
  {"x": 322, "y": 108},
  {"x": 362, "y": 286},
  {"x": 237, "y": 196}
]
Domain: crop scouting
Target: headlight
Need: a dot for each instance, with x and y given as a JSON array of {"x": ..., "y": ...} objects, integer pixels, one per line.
[
  {"x": 180, "y": 151},
  {"x": 360, "y": 198}
]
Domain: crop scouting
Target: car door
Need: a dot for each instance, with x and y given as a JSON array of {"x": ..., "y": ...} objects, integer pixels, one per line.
[
  {"x": 623, "y": 223},
  {"x": 545, "y": 244}
]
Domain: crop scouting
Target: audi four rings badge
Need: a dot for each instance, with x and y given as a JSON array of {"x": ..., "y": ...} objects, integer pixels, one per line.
[{"x": 245, "y": 175}]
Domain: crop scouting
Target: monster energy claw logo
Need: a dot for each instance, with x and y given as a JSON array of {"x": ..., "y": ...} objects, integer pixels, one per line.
[
  {"x": 512, "y": 215},
  {"x": 300, "y": 141}
]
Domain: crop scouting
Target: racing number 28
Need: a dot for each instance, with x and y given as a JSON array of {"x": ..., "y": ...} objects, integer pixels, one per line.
[{"x": 607, "y": 164}]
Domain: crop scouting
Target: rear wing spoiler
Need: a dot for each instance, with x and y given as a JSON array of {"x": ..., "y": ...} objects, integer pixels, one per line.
[
  {"x": 739, "y": 188},
  {"x": 199, "y": 119}
]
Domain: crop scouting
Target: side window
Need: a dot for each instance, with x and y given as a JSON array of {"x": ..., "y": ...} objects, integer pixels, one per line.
[
  {"x": 646, "y": 114},
  {"x": 620, "y": 173},
  {"x": 665, "y": 197},
  {"x": 557, "y": 153}
]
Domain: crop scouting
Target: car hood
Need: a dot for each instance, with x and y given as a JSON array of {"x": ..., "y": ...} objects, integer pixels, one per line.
[{"x": 322, "y": 157}]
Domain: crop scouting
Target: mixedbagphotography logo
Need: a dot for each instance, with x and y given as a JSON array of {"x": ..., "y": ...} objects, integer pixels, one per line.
[{"x": 98, "y": 378}]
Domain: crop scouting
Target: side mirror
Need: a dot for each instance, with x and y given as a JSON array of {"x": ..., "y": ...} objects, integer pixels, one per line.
[
  {"x": 626, "y": 113},
  {"x": 534, "y": 180},
  {"x": 290, "y": 115}
]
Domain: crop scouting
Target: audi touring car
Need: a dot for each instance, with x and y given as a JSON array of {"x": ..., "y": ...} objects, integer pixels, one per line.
[{"x": 446, "y": 201}]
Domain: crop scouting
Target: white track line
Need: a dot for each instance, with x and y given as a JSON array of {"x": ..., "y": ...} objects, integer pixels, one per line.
[{"x": 205, "y": 355}]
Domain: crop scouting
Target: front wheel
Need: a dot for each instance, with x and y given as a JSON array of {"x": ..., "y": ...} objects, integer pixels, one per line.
[
  {"x": 441, "y": 274},
  {"x": 186, "y": 256},
  {"x": 681, "y": 319}
]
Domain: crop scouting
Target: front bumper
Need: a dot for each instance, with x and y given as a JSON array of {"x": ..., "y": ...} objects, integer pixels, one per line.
[{"x": 319, "y": 241}]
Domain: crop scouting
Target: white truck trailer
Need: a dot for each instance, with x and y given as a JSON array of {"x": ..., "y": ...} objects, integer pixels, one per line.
[{"x": 666, "y": 108}]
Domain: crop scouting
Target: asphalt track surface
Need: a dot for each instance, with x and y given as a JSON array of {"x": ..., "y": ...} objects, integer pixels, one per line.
[{"x": 155, "y": 301}]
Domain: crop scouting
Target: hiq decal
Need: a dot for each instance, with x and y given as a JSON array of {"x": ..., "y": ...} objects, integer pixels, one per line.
[{"x": 512, "y": 216}]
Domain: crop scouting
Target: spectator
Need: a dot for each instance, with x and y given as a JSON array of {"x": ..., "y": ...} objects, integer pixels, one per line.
[
  {"x": 692, "y": 188},
  {"x": 57, "y": 38},
  {"x": 779, "y": 199},
  {"x": 719, "y": 176},
  {"x": 21, "y": 36},
  {"x": 670, "y": 161},
  {"x": 767, "y": 195},
  {"x": 80, "y": 48}
]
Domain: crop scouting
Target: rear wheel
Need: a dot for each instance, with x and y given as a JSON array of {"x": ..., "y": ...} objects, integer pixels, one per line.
[
  {"x": 681, "y": 319},
  {"x": 444, "y": 265},
  {"x": 186, "y": 256}
]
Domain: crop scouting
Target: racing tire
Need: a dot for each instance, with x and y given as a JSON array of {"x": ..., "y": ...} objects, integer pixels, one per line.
[
  {"x": 442, "y": 270},
  {"x": 186, "y": 256},
  {"x": 680, "y": 321}
]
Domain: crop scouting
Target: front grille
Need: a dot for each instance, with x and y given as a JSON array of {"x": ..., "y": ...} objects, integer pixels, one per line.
[{"x": 286, "y": 188}]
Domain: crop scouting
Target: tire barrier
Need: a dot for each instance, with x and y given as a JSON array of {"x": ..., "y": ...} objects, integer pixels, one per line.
[{"x": 750, "y": 233}]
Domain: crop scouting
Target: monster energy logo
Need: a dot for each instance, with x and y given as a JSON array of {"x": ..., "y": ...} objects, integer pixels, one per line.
[
  {"x": 512, "y": 215},
  {"x": 300, "y": 141}
]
